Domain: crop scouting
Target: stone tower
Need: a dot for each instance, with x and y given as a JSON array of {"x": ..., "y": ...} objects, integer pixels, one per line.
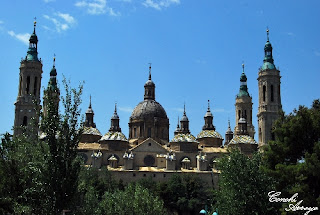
[
  {"x": 52, "y": 92},
  {"x": 269, "y": 95},
  {"x": 27, "y": 105},
  {"x": 244, "y": 105}
]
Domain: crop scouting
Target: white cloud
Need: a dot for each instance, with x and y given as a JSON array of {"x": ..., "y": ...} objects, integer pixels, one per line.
[
  {"x": 61, "y": 21},
  {"x": 67, "y": 17},
  {"x": 317, "y": 53},
  {"x": 96, "y": 7},
  {"x": 21, "y": 37},
  {"x": 159, "y": 4},
  {"x": 126, "y": 109},
  {"x": 178, "y": 109}
]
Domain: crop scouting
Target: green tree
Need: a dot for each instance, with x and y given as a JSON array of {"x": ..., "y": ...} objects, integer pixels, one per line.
[
  {"x": 294, "y": 157},
  {"x": 186, "y": 194},
  {"x": 21, "y": 178},
  {"x": 243, "y": 186},
  {"x": 41, "y": 176},
  {"x": 63, "y": 133},
  {"x": 133, "y": 200}
]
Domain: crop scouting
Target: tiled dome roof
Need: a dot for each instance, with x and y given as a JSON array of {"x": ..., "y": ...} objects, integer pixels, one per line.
[
  {"x": 244, "y": 139},
  {"x": 209, "y": 133},
  {"x": 111, "y": 135},
  {"x": 184, "y": 138},
  {"x": 91, "y": 130}
]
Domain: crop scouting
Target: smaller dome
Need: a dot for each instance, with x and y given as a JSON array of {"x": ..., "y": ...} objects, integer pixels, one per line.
[
  {"x": 149, "y": 83},
  {"x": 243, "y": 139},
  {"x": 209, "y": 133},
  {"x": 33, "y": 38},
  {"x": 111, "y": 135},
  {"x": 91, "y": 130},
  {"x": 208, "y": 114},
  {"x": 53, "y": 71},
  {"x": 243, "y": 77},
  {"x": 184, "y": 138},
  {"x": 229, "y": 131},
  {"x": 268, "y": 45},
  {"x": 268, "y": 65},
  {"x": 89, "y": 110},
  {"x": 115, "y": 116},
  {"x": 184, "y": 118}
]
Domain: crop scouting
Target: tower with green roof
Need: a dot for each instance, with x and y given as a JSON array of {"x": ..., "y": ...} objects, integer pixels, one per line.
[
  {"x": 52, "y": 93},
  {"x": 244, "y": 105},
  {"x": 269, "y": 95},
  {"x": 27, "y": 104}
]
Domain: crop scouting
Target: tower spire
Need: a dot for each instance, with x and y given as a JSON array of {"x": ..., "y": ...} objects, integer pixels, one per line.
[
  {"x": 90, "y": 102},
  {"x": 34, "y": 25},
  {"x": 208, "y": 119},
  {"x": 115, "y": 127},
  {"x": 149, "y": 71},
  {"x": 267, "y": 34}
]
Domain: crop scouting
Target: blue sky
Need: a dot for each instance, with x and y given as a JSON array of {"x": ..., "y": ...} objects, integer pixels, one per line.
[{"x": 196, "y": 48}]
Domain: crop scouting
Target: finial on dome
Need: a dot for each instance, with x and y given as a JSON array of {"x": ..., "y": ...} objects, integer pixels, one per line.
[
  {"x": 184, "y": 108},
  {"x": 54, "y": 60},
  {"x": 229, "y": 124},
  {"x": 90, "y": 102},
  {"x": 178, "y": 122},
  {"x": 208, "y": 105},
  {"x": 149, "y": 71},
  {"x": 115, "y": 107},
  {"x": 268, "y": 34},
  {"x": 242, "y": 67},
  {"x": 34, "y": 24}
]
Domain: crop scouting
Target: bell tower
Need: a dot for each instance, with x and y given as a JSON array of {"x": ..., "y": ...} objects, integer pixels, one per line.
[
  {"x": 244, "y": 106},
  {"x": 269, "y": 95},
  {"x": 27, "y": 105}
]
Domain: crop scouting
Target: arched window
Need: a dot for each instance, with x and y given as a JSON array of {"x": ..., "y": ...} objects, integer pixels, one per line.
[
  {"x": 264, "y": 93},
  {"x": 25, "y": 121},
  {"x": 28, "y": 84},
  {"x": 35, "y": 86},
  {"x": 239, "y": 114},
  {"x": 134, "y": 132},
  {"x": 272, "y": 97}
]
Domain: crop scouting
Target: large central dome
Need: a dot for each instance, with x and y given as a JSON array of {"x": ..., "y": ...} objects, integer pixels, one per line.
[
  {"x": 149, "y": 119},
  {"x": 148, "y": 109}
]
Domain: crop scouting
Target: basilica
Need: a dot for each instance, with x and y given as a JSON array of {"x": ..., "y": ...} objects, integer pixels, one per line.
[{"x": 147, "y": 150}]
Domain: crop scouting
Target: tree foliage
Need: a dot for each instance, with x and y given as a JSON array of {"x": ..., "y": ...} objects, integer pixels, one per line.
[
  {"x": 185, "y": 194},
  {"x": 294, "y": 157},
  {"x": 41, "y": 176},
  {"x": 243, "y": 186},
  {"x": 63, "y": 133}
]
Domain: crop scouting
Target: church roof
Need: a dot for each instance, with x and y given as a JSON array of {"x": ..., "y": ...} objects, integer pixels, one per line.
[
  {"x": 242, "y": 139},
  {"x": 209, "y": 133},
  {"x": 184, "y": 138},
  {"x": 111, "y": 135},
  {"x": 91, "y": 130},
  {"x": 148, "y": 109}
]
